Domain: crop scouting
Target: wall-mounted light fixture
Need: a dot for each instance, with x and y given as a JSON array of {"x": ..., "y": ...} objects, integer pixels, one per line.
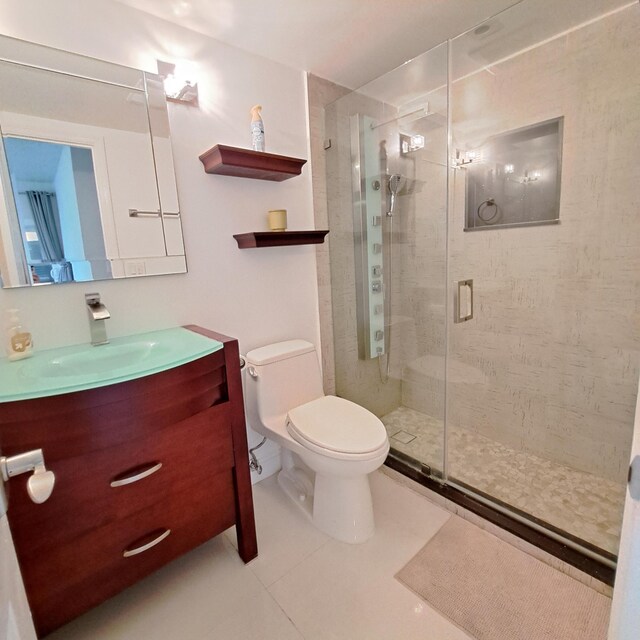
[
  {"x": 409, "y": 143},
  {"x": 532, "y": 176},
  {"x": 466, "y": 157},
  {"x": 179, "y": 83}
]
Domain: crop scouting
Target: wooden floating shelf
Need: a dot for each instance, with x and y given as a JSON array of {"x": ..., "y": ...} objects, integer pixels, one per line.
[
  {"x": 258, "y": 239},
  {"x": 246, "y": 163}
]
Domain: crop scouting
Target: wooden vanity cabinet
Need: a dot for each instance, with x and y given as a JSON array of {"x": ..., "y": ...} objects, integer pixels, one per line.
[{"x": 179, "y": 434}]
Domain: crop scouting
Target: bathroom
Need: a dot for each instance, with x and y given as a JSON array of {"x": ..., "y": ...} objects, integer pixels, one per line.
[{"x": 265, "y": 296}]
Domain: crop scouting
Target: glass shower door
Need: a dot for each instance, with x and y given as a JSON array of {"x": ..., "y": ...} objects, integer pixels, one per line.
[
  {"x": 542, "y": 380},
  {"x": 387, "y": 197}
]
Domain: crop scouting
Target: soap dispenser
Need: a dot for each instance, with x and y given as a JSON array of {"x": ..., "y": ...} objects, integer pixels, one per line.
[{"x": 19, "y": 340}]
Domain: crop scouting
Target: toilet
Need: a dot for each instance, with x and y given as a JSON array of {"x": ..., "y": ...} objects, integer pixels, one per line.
[{"x": 329, "y": 444}]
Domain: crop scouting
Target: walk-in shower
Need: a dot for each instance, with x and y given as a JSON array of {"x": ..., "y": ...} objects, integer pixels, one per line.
[{"x": 506, "y": 158}]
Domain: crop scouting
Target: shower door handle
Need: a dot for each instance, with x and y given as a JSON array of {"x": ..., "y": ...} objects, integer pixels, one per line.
[{"x": 463, "y": 301}]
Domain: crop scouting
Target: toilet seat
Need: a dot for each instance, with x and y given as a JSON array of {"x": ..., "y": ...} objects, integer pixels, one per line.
[{"x": 337, "y": 428}]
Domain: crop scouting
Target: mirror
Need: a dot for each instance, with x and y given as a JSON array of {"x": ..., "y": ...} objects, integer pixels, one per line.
[{"x": 88, "y": 188}]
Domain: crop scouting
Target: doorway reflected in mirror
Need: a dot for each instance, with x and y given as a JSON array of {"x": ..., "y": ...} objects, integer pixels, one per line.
[{"x": 58, "y": 211}]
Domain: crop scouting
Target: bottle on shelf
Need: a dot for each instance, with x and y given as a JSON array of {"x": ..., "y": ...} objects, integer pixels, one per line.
[{"x": 257, "y": 129}]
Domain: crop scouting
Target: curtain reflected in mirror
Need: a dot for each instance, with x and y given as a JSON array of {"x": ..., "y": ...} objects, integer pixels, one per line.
[{"x": 46, "y": 218}]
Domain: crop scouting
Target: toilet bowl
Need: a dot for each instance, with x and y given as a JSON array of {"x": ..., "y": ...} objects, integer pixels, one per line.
[{"x": 329, "y": 444}]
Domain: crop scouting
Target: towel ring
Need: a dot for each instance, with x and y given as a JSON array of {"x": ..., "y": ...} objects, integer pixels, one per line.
[{"x": 485, "y": 205}]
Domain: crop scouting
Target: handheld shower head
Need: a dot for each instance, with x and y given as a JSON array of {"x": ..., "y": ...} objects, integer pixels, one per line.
[{"x": 396, "y": 182}]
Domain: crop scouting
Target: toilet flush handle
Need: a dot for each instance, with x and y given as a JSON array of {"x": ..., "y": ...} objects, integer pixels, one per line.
[{"x": 252, "y": 371}]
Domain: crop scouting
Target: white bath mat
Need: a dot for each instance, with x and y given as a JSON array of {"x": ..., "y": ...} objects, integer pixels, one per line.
[{"x": 496, "y": 592}]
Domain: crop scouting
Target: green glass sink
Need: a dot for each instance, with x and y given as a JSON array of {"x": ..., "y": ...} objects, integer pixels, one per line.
[{"x": 81, "y": 367}]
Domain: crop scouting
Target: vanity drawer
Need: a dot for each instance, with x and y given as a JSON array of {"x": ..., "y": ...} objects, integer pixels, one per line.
[
  {"x": 94, "y": 567},
  {"x": 145, "y": 472}
]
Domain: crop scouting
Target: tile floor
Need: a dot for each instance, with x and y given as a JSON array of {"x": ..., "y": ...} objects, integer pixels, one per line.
[
  {"x": 580, "y": 503},
  {"x": 303, "y": 585}
]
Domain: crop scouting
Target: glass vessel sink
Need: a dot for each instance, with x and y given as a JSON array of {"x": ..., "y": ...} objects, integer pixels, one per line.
[
  {"x": 82, "y": 367},
  {"x": 113, "y": 358}
]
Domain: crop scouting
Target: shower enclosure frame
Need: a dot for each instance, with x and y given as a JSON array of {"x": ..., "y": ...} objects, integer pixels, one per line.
[{"x": 573, "y": 550}]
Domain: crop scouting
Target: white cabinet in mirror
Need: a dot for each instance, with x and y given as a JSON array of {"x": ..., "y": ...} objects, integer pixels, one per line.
[{"x": 88, "y": 187}]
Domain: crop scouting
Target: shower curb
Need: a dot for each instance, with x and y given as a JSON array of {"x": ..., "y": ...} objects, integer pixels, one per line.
[{"x": 578, "y": 565}]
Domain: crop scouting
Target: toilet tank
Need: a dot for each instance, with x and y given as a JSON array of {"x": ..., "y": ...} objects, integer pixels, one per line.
[{"x": 282, "y": 376}]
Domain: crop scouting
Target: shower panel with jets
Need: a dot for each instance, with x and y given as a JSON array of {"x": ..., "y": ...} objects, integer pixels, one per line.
[{"x": 523, "y": 130}]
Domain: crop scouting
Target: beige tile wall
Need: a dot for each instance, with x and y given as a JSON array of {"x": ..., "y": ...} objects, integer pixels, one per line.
[
  {"x": 421, "y": 242},
  {"x": 550, "y": 363},
  {"x": 356, "y": 379},
  {"x": 344, "y": 373},
  {"x": 419, "y": 228},
  {"x": 556, "y": 333},
  {"x": 321, "y": 92}
]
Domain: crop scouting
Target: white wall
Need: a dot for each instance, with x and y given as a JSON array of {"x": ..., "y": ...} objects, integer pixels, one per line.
[
  {"x": 122, "y": 172},
  {"x": 258, "y": 295},
  {"x": 65, "y": 189},
  {"x": 93, "y": 243},
  {"x": 625, "y": 609}
]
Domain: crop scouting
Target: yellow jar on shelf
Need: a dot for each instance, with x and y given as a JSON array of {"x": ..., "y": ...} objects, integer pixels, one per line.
[{"x": 278, "y": 219}]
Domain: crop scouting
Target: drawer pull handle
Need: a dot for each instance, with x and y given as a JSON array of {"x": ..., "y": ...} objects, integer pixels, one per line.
[
  {"x": 145, "y": 547},
  {"x": 137, "y": 476}
]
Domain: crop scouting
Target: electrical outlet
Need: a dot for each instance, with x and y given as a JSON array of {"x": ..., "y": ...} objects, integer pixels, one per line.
[{"x": 135, "y": 268}]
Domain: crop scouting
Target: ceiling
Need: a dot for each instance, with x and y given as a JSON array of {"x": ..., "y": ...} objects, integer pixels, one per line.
[
  {"x": 32, "y": 160},
  {"x": 514, "y": 30},
  {"x": 352, "y": 42},
  {"x": 347, "y": 41}
]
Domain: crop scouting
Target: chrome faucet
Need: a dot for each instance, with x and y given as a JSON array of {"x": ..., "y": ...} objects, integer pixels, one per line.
[{"x": 98, "y": 313}]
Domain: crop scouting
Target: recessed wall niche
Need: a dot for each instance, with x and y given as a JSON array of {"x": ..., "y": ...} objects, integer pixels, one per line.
[{"x": 513, "y": 178}]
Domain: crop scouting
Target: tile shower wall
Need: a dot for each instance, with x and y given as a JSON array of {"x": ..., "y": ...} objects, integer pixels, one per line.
[
  {"x": 321, "y": 92},
  {"x": 555, "y": 341},
  {"x": 421, "y": 262},
  {"x": 358, "y": 380},
  {"x": 416, "y": 323}
]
